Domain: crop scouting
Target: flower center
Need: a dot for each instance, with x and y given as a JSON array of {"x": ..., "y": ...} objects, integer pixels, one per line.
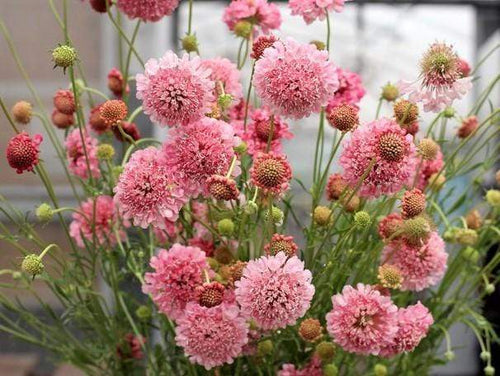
[
  {"x": 270, "y": 173},
  {"x": 391, "y": 147}
]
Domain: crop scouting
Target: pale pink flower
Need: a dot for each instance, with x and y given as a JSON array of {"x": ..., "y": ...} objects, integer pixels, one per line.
[
  {"x": 82, "y": 158},
  {"x": 413, "y": 323},
  {"x": 350, "y": 90},
  {"x": 94, "y": 221},
  {"x": 213, "y": 336},
  {"x": 294, "y": 79},
  {"x": 428, "y": 168},
  {"x": 177, "y": 273},
  {"x": 313, "y": 368},
  {"x": 148, "y": 10},
  {"x": 260, "y": 13},
  {"x": 175, "y": 90},
  {"x": 258, "y": 130},
  {"x": 147, "y": 191},
  {"x": 274, "y": 291},
  {"x": 421, "y": 266},
  {"x": 362, "y": 320},
  {"x": 224, "y": 73},
  {"x": 237, "y": 111},
  {"x": 312, "y": 10},
  {"x": 198, "y": 151},
  {"x": 384, "y": 145}
]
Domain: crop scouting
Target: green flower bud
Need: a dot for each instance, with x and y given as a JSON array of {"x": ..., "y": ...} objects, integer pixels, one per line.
[
  {"x": 265, "y": 347},
  {"x": 44, "y": 212},
  {"x": 117, "y": 170},
  {"x": 485, "y": 356},
  {"x": 493, "y": 198},
  {"x": 471, "y": 255},
  {"x": 64, "y": 56},
  {"x": 321, "y": 46},
  {"x": 277, "y": 215},
  {"x": 241, "y": 148},
  {"x": 330, "y": 370},
  {"x": 226, "y": 227},
  {"x": 362, "y": 219},
  {"x": 16, "y": 275},
  {"x": 251, "y": 208},
  {"x": 243, "y": 29},
  {"x": 32, "y": 264},
  {"x": 449, "y": 355},
  {"x": 143, "y": 313},
  {"x": 380, "y": 370},
  {"x": 190, "y": 43},
  {"x": 224, "y": 101},
  {"x": 105, "y": 152},
  {"x": 489, "y": 371},
  {"x": 489, "y": 288},
  {"x": 322, "y": 215},
  {"x": 325, "y": 350},
  {"x": 416, "y": 229},
  {"x": 390, "y": 92},
  {"x": 466, "y": 236},
  {"x": 449, "y": 112},
  {"x": 213, "y": 263}
]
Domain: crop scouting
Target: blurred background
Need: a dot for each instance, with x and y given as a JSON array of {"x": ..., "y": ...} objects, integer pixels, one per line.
[{"x": 381, "y": 40}]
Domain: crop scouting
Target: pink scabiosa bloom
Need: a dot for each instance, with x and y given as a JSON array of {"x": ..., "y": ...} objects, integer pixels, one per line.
[
  {"x": 429, "y": 168},
  {"x": 115, "y": 83},
  {"x": 147, "y": 10},
  {"x": 212, "y": 336},
  {"x": 82, "y": 159},
  {"x": 441, "y": 80},
  {"x": 127, "y": 128},
  {"x": 259, "y": 13},
  {"x": 198, "y": 151},
  {"x": 177, "y": 273},
  {"x": 350, "y": 89},
  {"x": 389, "y": 225},
  {"x": 147, "y": 191},
  {"x": 413, "y": 323},
  {"x": 384, "y": 146},
  {"x": 421, "y": 266},
  {"x": 468, "y": 127},
  {"x": 175, "y": 90},
  {"x": 312, "y": 10},
  {"x": 464, "y": 68},
  {"x": 260, "y": 44},
  {"x": 96, "y": 123},
  {"x": 313, "y": 368},
  {"x": 294, "y": 79},
  {"x": 64, "y": 102},
  {"x": 224, "y": 73},
  {"x": 362, "y": 320},
  {"x": 271, "y": 173},
  {"x": 95, "y": 217},
  {"x": 131, "y": 347},
  {"x": 237, "y": 111},
  {"x": 258, "y": 131},
  {"x": 274, "y": 291},
  {"x": 23, "y": 152}
]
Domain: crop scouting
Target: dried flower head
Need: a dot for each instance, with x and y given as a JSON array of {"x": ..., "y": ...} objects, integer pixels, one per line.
[
  {"x": 335, "y": 187},
  {"x": 344, "y": 117},
  {"x": 22, "y": 112},
  {"x": 413, "y": 203},
  {"x": 428, "y": 149},
  {"x": 222, "y": 188},
  {"x": 310, "y": 330},
  {"x": 390, "y": 92},
  {"x": 322, "y": 215},
  {"x": 405, "y": 112},
  {"x": 473, "y": 219},
  {"x": 281, "y": 243}
]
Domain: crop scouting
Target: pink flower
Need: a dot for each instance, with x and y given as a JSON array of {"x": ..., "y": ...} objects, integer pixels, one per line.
[
  {"x": 274, "y": 291},
  {"x": 94, "y": 220},
  {"x": 23, "y": 152},
  {"x": 237, "y": 111},
  {"x": 148, "y": 10},
  {"x": 81, "y": 158},
  {"x": 294, "y": 79},
  {"x": 177, "y": 273},
  {"x": 413, "y": 323},
  {"x": 421, "y": 266},
  {"x": 350, "y": 90},
  {"x": 362, "y": 320},
  {"x": 258, "y": 131},
  {"x": 147, "y": 191},
  {"x": 175, "y": 90},
  {"x": 441, "y": 79},
  {"x": 213, "y": 336},
  {"x": 131, "y": 347},
  {"x": 224, "y": 73},
  {"x": 384, "y": 145},
  {"x": 312, "y": 10},
  {"x": 258, "y": 12},
  {"x": 313, "y": 368},
  {"x": 428, "y": 168},
  {"x": 198, "y": 151},
  {"x": 271, "y": 173}
]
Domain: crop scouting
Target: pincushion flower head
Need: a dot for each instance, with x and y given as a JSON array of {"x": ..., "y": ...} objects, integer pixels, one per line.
[
  {"x": 362, "y": 320},
  {"x": 82, "y": 159},
  {"x": 312, "y": 10},
  {"x": 294, "y": 79},
  {"x": 147, "y": 10},
  {"x": 95, "y": 217},
  {"x": 200, "y": 150},
  {"x": 177, "y": 273},
  {"x": 421, "y": 266},
  {"x": 413, "y": 323},
  {"x": 271, "y": 173},
  {"x": 175, "y": 90},
  {"x": 274, "y": 291},
  {"x": 147, "y": 191},
  {"x": 441, "y": 80},
  {"x": 224, "y": 73},
  {"x": 258, "y": 14},
  {"x": 23, "y": 152},
  {"x": 383, "y": 152},
  {"x": 350, "y": 89}
]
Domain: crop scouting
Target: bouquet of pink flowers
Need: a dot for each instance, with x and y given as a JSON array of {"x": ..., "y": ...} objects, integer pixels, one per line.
[{"x": 207, "y": 263}]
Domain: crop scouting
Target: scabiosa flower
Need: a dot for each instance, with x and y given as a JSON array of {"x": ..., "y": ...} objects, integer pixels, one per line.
[
  {"x": 413, "y": 323},
  {"x": 335, "y": 187},
  {"x": 23, "y": 152},
  {"x": 271, "y": 173},
  {"x": 22, "y": 112},
  {"x": 225, "y": 73},
  {"x": 258, "y": 13},
  {"x": 349, "y": 91},
  {"x": 100, "y": 5},
  {"x": 260, "y": 44},
  {"x": 428, "y": 168},
  {"x": 64, "y": 102},
  {"x": 274, "y": 291},
  {"x": 389, "y": 225},
  {"x": 222, "y": 188},
  {"x": 362, "y": 320},
  {"x": 313, "y": 368},
  {"x": 177, "y": 273},
  {"x": 82, "y": 159},
  {"x": 213, "y": 336},
  {"x": 131, "y": 347},
  {"x": 97, "y": 124},
  {"x": 62, "y": 121},
  {"x": 413, "y": 203},
  {"x": 95, "y": 217},
  {"x": 421, "y": 266},
  {"x": 343, "y": 117},
  {"x": 113, "y": 112},
  {"x": 384, "y": 145},
  {"x": 127, "y": 128},
  {"x": 198, "y": 151},
  {"x": 312, "y": 10},
  {"x": 147, "y": 191},
  {"x": 468, "y": 127},
  {"x": 440, "y": 83},
  {"x": 294, "y": 79},
  {"x": 310, "y": 330},
  {"x": 115, "y": 82},
  {"x": 281, "y": 243},
  {"x": 175, "y": 90},
  {"x": 259, "y": 130},
  {"x": 463, "y": 68},
  {"x": 147, "y": 10}
]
